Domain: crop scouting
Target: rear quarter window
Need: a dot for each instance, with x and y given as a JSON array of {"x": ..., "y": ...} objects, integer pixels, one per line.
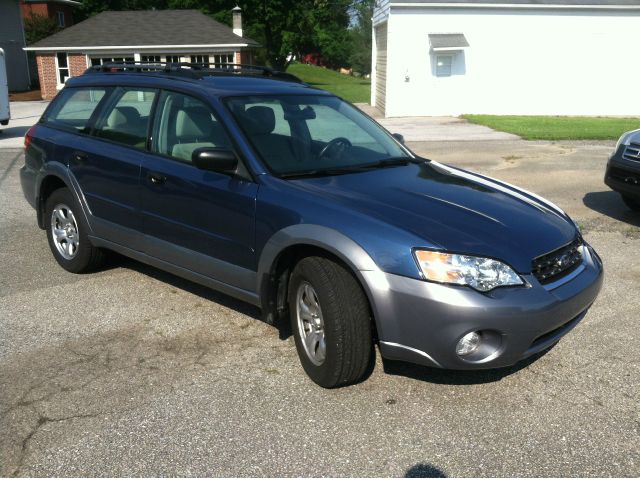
[{"x": 73, "y": 108}]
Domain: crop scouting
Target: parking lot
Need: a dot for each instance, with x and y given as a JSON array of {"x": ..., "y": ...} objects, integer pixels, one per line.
[{"x": 132, "y": 371}]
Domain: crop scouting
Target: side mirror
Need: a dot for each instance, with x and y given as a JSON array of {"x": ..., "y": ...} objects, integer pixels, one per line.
[
  {"x": 398, "y": 137},
  {"x": 215, "y": 159}
]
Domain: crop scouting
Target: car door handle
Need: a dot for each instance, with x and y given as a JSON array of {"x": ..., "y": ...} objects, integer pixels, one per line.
[
  {"x": 80, "y": 156},
  {"x": 156, "y": 178}
]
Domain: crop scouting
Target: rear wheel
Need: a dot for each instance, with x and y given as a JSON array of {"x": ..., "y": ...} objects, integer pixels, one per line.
[
  {"x": 331, "y": 322},
  {"x": 67, "y": 234},
  {"x": 632, "y": 203}
]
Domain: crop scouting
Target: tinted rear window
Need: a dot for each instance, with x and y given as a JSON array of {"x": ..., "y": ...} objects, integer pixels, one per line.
[{"x": 73, "y": 108}]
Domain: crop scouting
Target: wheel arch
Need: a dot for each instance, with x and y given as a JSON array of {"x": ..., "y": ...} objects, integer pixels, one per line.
[
  {"x": 57, "y": 176},
  {"x": 48, "y": 185},
  {"x": 293, "y": 243}
]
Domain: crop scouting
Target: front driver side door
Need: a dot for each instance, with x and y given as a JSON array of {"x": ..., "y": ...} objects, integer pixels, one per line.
[{"x": 200, "y": 220}]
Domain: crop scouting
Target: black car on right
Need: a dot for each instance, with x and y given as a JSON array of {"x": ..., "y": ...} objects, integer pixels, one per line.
[{"x": 623, "y": 169}]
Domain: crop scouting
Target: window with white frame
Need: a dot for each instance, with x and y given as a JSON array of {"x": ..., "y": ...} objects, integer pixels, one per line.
[
  {"x": 223, "y": 58},
  {"x": 151, "y": 58},
  {"x": 172, "y": 58},
  {"x": 101, "y": 60},
  {"x": 62, "y": 67},
  {"x": 443, "y": 65},
  {"x": 60, "y": 16},
  {"x": 199, "y": 58}
]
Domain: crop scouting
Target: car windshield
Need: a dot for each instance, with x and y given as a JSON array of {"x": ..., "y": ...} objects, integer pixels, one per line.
[{"x": 314, "y": 135}]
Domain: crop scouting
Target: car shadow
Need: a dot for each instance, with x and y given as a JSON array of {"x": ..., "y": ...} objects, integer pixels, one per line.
[
  {"x": 424, "y": 470},
  {"x": 610, "y": 204},
  {"x": 117, "y": 260},
  {"x": 456, "y": 377}
]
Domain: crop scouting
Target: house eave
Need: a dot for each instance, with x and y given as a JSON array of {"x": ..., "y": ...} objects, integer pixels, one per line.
[{"x": 135, "y": 47}]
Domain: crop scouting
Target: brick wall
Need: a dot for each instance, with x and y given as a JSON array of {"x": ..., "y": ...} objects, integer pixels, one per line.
[
  {"x": 48, "y": 75},
  {"x": 77, "y": 64}
]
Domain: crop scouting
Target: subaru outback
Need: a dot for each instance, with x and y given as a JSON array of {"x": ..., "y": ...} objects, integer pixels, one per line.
[{"x": 255, "y": 184}]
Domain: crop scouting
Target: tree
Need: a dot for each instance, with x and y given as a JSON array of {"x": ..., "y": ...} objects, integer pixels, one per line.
[
  {"x": 37, "y": 27},
  {"x": 360, "y": 58}
]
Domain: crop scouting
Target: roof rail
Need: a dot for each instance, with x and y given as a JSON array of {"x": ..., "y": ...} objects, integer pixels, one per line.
[{"x": 192, "y": 70}]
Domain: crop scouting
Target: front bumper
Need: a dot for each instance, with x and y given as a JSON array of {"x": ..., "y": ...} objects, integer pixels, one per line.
[
  {"x": 623, "y": 176},
  {"x": 421, "y": 322}
]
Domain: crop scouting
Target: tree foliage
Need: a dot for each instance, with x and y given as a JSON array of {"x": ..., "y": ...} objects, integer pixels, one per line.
[
  {"x": 37, "y": 27},
  {"x": 360, "y": 58}
]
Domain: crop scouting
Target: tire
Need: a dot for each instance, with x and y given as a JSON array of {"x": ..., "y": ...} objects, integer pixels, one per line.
[
  {"x": 67, "y": 234},
  {"x": 338, "y": 322},
  {"x": 632, "y": 203}
]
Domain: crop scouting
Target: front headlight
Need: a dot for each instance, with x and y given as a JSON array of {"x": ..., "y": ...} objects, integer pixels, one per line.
[
  {"x": 624, "y": 140},
  {"x": 481, "y": 273}
]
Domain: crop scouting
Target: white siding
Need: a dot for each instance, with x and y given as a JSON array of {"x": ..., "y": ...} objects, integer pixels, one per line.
[
  {"x": 379, "y": 84},
  {"x": 542, "y": 62}
]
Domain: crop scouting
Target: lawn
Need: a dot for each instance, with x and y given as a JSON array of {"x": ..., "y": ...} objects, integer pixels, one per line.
[
  {"x": 355, "y": 90},
  {"x": 558, "y": 127}
]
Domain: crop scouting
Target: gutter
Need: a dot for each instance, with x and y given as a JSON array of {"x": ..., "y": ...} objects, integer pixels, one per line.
[{"x": 133, "y": 47}]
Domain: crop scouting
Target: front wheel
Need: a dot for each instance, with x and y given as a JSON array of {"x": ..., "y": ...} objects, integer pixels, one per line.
[
  {"x": 331, "y": 322},
  {"x": 632, "y": 203}
]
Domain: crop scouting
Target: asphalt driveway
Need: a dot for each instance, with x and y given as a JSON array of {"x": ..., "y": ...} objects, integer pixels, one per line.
[{"x": 131, "y": 371}]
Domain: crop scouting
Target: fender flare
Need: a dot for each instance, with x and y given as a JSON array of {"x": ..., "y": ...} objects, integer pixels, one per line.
[
  {"x": 346, "y": 249},
  {"x": 62, "y": 172}
]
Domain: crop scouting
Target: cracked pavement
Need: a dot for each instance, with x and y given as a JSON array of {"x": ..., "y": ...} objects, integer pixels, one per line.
[{"x": 132, "y": 371}]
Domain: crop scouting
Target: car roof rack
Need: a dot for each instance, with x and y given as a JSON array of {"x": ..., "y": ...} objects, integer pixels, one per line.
[{"x": 192, "y": 70}]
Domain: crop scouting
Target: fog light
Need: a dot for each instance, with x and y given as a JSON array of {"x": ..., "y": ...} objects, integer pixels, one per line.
[{"x": 468, "y": 344}]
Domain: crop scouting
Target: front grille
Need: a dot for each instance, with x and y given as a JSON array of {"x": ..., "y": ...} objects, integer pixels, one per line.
[
  {"x": 559, "y": 263},
  {"x": 632, "y": 152}
]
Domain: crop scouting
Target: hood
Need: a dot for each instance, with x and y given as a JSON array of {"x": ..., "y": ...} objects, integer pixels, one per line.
[{"x": 453, "y": 210}]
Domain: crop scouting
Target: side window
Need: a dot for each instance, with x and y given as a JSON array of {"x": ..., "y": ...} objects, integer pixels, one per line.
[
  {"x": 126, "y": 120},
  {"x": 185, "y": 124},
  {"x": 73, "y": 107}
]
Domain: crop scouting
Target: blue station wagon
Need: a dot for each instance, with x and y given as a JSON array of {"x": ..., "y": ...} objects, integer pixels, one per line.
[{"x": 255, "y": 184}]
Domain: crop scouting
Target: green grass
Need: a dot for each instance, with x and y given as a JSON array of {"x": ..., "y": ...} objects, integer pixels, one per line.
[
  {"x": 558, "y": 127},
  {"x": 355, "y": 90}
]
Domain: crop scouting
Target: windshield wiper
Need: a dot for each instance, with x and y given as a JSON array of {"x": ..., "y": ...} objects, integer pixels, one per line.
[
  {"x": 316, "y": 173},
  {"x": 397, "y": 161},
  {"x": 383, "y": 163}
]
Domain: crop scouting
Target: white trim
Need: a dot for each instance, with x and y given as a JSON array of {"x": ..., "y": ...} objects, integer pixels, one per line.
[
  {"x": 134, "y": 47},
  {"x": 449, "y": 48},
  {"x": 529, "y": 6},
  {"x": 59, "y": 85}
]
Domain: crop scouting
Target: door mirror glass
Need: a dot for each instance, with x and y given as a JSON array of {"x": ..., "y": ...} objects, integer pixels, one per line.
[
  {"x": 215, "y": 159},
  {"x": 398, "y": 137}
]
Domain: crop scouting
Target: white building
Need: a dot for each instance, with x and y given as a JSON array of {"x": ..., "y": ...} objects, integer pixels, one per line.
[{"x": 536, "y": 57}]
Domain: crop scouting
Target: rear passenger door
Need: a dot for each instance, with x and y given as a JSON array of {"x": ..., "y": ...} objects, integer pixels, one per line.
[
  {"x": 200, "y": 220},
  {"x": 107, "y": 166}
]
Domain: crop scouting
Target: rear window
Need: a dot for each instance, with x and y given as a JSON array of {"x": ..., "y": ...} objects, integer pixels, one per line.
[{"x": 73, "y": 107}]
